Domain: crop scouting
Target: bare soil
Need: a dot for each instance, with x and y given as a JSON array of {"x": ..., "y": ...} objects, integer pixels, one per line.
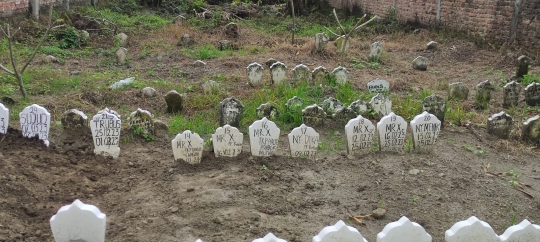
[{"x": 149, "y": 197}]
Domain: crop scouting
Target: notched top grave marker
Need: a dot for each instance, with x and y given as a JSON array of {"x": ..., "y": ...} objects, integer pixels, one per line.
[
  {"x": 360, "y": 133},
  {"x": 341, "y": 75},
  {"x": 263, "y": 137},
  {"x": 339, "y": 232},
  {"x": 304, "y": 142},
  {"x": 301, "y": 73},
  {"x": 524, "y": 231},
  {"x": 403, "y": 230},
  {"x": 227, "y": 141},
  {"x": 378, "y": 85},
  {"x": 425, "y": 128},
  {"x": 143, "y": 120},
  {"x": 35, "y": 121},
  {"x": 105, "y": 126},
  {"x": 78, "y": 222},
  {"x": 267, "y": 110},
  {"x": 471, "y": 229},
  {"x": 278, "y": 72},
  {"x": 392, "y": 133},
  {"x": 531, "y": 129},
  {"x": 269, "y": 238},
  {"x": 359, "y": 106},
  {"x": 4, "y": 119},
  {"x": 188, "y": 146},
  {"x": 381, "y": 104},
  {"x": 500, "y": 124},
  {"x": 294, "y": 103},
  {"x": 319, "y": 75},
  {"x": 254, "y": 73}
]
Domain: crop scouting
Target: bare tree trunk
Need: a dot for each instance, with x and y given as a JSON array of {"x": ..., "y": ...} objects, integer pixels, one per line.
[{"x": 294, "y": 22}]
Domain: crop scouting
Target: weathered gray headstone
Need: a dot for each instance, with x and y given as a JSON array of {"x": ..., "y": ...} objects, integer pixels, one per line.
[
  {"x": 199, "y": 63},
  {"x": 432, "y": 45},
  {"x": 360, "y": 133},
  {"x": 359, "y": 106},
  {"x": 4, "y": 119},
  {"x": 188, "y": 146},
  {"x": 392, "y": 131},
  {"x": 267, "y": 110},
  {"x": 319, "y": 75},
  {"x": 342, "y": 44},
  {"x": 294, "y": 103},
  {"x": 278, "y": 72},
  {"x": 231, "y": 111},
  {"x": 224, "y": 45},
  {"x": 227, "y": 141},
  {"x": 330, "y": 105},
  {"x": 148, "y": 92},
  {"x": 523, "y": 66},
  {"x": 122, "y": 39},
  {"x": 301, "y": 73},
  {"x": 321, "y": 39},
  {"x": 175, "y": 101},
  {"x": 35, "y": 121},
  {"x": 341, "y": 75},
  {"x": 435, "y": 105},
  {"x": 532, "y": 94},
  {"x": 313, "y": 116},
  {"x": 511, "y": 93},
  {"x": 254, "y": 73},
  {"x": 381, "y": 104},
  {"x": 232, "y": 31},
  {"x": 186, "y": 40},
  {"x": 425, "y": 129},
  {"x": 121, "y": 55},
  {"x": 531, "y": 129},
  {"x": 210, "y": 87},
  {"x": 304, "y": 142},
  {"x": 458, "y": 91},
  {"x": 142, "y": 119},
  {"x": 378, "y": 85},
  {"x": 263, "y": 137},
  {"x": 105, "y": 126},
  {"x": 161, "y": 128},
  {"x": 376, "y": 50},
  {"x": 74, "y": 119},
  {"x": 483, "y": 94},
  {"x": 270, "y": 62},
  {"x": 343, "y": 115},
  {"x": 420, "y": 63},
  {"x": 500, "y": 125}
]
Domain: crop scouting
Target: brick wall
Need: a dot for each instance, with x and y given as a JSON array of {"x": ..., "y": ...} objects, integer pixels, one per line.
[
  {"x": 489, "y": 19},
  {"x": 9, "y": 7}
]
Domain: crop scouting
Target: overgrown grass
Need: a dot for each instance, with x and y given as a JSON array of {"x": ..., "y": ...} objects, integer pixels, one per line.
[
  {"x": 205, "y": 52},
  {"x": 139, "y": 21},
  {"x": 530, "y": 78}
]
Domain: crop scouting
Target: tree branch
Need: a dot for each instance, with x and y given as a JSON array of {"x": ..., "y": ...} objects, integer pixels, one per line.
[
  {"x": 332, "y": 32},
  {"x": 6, "y": 69},
  {"x": 367, "y": 22},
  {"x": 339, "y": 23},
  {"x": 51, "y": 26},
  {"x": 10, "y": 39}
]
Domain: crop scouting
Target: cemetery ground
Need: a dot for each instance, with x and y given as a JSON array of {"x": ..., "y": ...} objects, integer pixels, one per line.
[{"x": 148, "y": 196}]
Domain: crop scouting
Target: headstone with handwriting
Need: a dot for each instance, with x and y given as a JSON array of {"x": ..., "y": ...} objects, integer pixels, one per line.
[
  {"x": 105, "y": 126},
  {"x": 263, "y": 137},
  {"x": 4, "y": 119},
  {"x": 425, "y": 129},
  {"x": 188, "y": 146},
  {"x": 313, "y": 116},
  {"x": 35, "y": 121},
  {"x": 511, "y": 93},
  {"x": 227, "y": 141},
  {"x": 304, "y": 142},
  {"x": 381, "y": 104},
  {"x": 392, "y": 131},
  {"x": 378, "y": 85},
  {"x": 360, "y": 133},
  {"x": 500, "y": 125}
]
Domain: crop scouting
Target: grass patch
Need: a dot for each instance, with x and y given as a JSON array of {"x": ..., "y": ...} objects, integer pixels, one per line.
[
  {"x": 203, "y": 123},
  {"x": 530, "y": 78},
  {"x": 205, "y": 52}
]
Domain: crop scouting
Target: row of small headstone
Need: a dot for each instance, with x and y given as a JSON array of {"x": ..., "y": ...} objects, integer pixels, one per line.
[
  {"x": 511, "y": 93},
  {"x": 301, "y": 73},
  {"x": 85, "y": 222}
]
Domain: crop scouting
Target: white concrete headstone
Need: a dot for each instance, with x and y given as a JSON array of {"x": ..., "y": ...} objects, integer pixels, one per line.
[
  {"x": 381, "y": 104},
  {"x": 360, "y": 133},
  {"x": 339, "y": 232},
  {"x": 188, "y": 146},
  {"x": 341, "y": 75},
  {"x": 78, "y": 222},
  {"x": 4, "y": 119},
  {"x": 425, "y": 128},
  {"x": 301, "y": 73},
  {"x": 227, "y": 141},
  {"x": 35, "y": 120},
  {"x": 304, "y": 142},
  {"x": 403, "y": 230},
  {"x": 263, "y": 137},
  {"x": 471, "y": 229},
  {"x": 255, "y": 73},
  {"x": 278, "y": 72},
  {"x": 524, "y": 231},
  {"x": 378, "y": 85},
  {"x": 392, "y": 132},
  {"x": 269, "y": 238},
  {"x": 106, "y": 126}
]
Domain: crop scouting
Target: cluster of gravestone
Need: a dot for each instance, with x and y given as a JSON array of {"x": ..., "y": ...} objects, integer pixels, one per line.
[
  {"x": 301, "y": 73},
  {"x": 85, "y": 222}
]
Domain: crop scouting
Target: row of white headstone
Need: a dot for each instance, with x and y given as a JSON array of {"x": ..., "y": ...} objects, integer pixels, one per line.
[
  {"x": 278, "y": 73},
  {"x": 84, "y": 222}
]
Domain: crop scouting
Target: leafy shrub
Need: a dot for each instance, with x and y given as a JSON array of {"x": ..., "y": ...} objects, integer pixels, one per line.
[
  {"x": 71, "y": 38},
  {"x": 127, "y": 7}
]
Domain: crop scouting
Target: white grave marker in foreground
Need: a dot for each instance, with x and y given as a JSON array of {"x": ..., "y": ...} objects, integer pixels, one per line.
[
  {"x": 339, "y": 232},
  {"x": 392, "y": 130},
  {"x": 304, "y": 142},
  {"x": 360, "y": 132},
  {"x": 425, "y": 128},
  {"x": 35, "y": 120},
  {"x": 227, "y": 141},
  {"x": 403, "y": 230},
  {"x": 4, "y": 119},
  {"x": 188, "y": 146},
  {"x": 105, "y": 126},
  {"x": 263, "y": 137},
  {"x": 471, "y": 229},
  {"x": 78, "y": 222}
]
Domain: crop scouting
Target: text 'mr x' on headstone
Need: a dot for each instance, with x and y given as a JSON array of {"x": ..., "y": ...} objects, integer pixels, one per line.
[
  {"x": 35, "y": 121},
  {"x": 4, "y": 119},
  {"x": 378, "y": 85},
  {"x": 263, "y": 137},
  {"x": 425, "y": 129},
  {"x": 304, "y": 142},
  {"x": 105, "y": 126},
  {"x": 227, "y": 141},
  {"x": 392, "y": 131},
  {"x": 360, "y": 133},
  {"x": 435, "y": 105},
  {"x": 188, "y": 146},
  {"x": 500, "y": 125}
]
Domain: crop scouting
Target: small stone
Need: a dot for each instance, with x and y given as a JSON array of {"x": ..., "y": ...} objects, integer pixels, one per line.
[
  {"x": 432, "y": 45},
  {"x": 225, "y": 45},
  {"x": 420, "y": 63},
  {"x": 218, "y": 220},
  {"x": 199, "y": 63},
  {"x": 122, "y": 39},
  {"x": 161, "y": 128},
  {"x": 74, "y": 73},
  {"x": 174, "y": 209},
  {"x": 121, "y": 55},
  {"x": 210, "y": 87},
  {"x": 174, "y": 101},
  {"x": 190, "y": 189},
  {"x": 441, "y": 175},
  {"x": 122, "y": 83},
  {"x": 414, "y": 172},
  {"x": 148, "y": 92},
  {"x": 186, "y": 40},
  {"x": 49, "y": 59},
  {"x": 131, "y": 164},
  {"x": 378, "y": 213}
]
